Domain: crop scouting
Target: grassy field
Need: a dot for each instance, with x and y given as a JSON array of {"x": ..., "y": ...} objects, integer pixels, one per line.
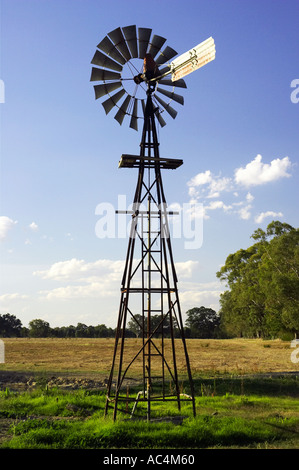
[
  {"x": 88, "y": 355},
  {"x": 246, "y": 397}
]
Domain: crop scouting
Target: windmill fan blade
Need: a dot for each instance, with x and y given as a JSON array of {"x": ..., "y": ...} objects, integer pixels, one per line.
[
  {"x": 108, "y": 47},
  {"x": 131, "y": 37},
  {"x": 117, "y": 37},
  {"x": 102, "y": 74},
  {"x": 179, "y": 83},
  {"x": 172, "y": 112},
  {"x": 122, "y": 110},
  {"x": 101, "y": 90},
  {"x": 164, "y": 70},
  {"x": 173, "y": 96},
  {"x": 133, "y": 122},
  {"x": 160, "y": 119},
  {"x": 166, "y": 55},
  {"x": 143, "y": 105},
  {"x": 156, "y": 44},
  {"x": 103, "y": 61},
  {"x": 144, "y": 35},
  {"x": 111, "y": 102}
]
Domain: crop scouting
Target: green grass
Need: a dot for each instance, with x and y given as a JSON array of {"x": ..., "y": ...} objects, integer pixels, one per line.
[{"x": 70, "y": 420}]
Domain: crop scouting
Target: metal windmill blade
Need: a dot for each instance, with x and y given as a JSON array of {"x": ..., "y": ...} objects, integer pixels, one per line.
[
  {"x": 118, "y": 39},
  {"x": 102, "y": 74},
  {"x": 171, "y": 95},
  {"x": 113, "y": 100},
  {"x": 143, "y": 40},
  {"x": 123, "y": 110},
  {"x": 156, "y": 44},
  {"x": 131, "y": 38},
  {"x": 172, "y": 112},
  {"x": 134, "y": 118},
  {"x": 105, "y": 89},
  {"x": 114, "y": 69},
  {"x": 102, "y": 60},
  {"x": 166, "y": 55},
  {"x": 179, "y": 83},
  {"x": 109, "y": 48}
]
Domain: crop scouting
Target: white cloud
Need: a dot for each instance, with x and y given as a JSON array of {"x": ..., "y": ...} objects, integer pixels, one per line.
[
  {"x": 96, "y": 279},
  {"x": 260, "y": 218},
  {"x": 201, "y": 179},
  {"x": 214, "y": 185},
  {"x": 78, "y": 270},
  {"x": 256, "y": 172},
  {"x": 244, "y": 212},
  {"x": 249, "y": 197},
  {"x": 6, "y": 224},
  {"x": 14, "y": 296},
  {"x": 205, "y": 186},
  {"x": 197, "y": 294},
  {"x": 218, "y": 205},
  {"x": 185, "y": 269},
  {"x": 219, "y": 185},
  {"x": 34, "y": 227},
  {"x": 91, "y": 290}
]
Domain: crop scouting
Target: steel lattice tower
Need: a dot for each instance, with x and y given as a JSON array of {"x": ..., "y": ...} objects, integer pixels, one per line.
[{"x": 150, "y": 277}]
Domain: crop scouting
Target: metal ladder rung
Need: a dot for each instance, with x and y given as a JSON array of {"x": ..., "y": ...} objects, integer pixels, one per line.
[{"x": 152, "y": 310}]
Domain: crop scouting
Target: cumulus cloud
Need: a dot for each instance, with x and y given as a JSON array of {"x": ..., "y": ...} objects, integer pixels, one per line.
[
  {"x": 263, "y": 215},
  {"x": 196, "y": 294},
  {"x": 34, "y": 227},
  {"x": 256, "y": 172},
  {"x": 70, "y": 292},
  {"x": 96, "y": 279},
  {"x": 249, "y": 197},
  {"x": 206, "y": 186},
  {"x": 6, "y": 224},
  {"x": 78, "y": 270},
  {"x": 244, "y": 212},
  {"x": 185, "y": 269},
  {"x": 15, "y": 296}
]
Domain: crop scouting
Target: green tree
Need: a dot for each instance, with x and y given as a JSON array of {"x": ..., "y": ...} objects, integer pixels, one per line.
[
  {"x": 39, "y": 329},
  {"x": 263, "y": 283},
  {"x": 10, "y": 326},
  {"x": 82, "y": 330},
  {"x": 135, "y": 325},
  {"x": 203, "y": 322}
]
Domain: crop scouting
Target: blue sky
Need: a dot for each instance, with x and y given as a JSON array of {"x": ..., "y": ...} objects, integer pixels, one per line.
[{"x": 237, "y": 134}]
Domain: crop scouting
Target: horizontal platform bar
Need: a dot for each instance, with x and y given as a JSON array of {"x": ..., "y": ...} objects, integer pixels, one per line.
[
  {"x": 134, "y": 161},
  {"x": 154, "y": 290},
  {"x": 147, "y": 212}
]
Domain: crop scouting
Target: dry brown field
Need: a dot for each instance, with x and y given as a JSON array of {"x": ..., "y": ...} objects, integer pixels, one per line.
[{"x": 93, "y": 356}]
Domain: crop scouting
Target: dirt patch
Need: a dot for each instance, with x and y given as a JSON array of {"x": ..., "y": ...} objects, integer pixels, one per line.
[{"x": 20, "y": 381}]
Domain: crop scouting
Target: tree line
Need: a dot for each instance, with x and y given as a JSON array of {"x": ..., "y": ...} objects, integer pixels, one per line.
[{"x": 201, "y": 323}]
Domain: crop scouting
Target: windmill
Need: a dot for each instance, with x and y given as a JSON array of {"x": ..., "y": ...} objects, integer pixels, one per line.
[{"x": 137, "y": 77}]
